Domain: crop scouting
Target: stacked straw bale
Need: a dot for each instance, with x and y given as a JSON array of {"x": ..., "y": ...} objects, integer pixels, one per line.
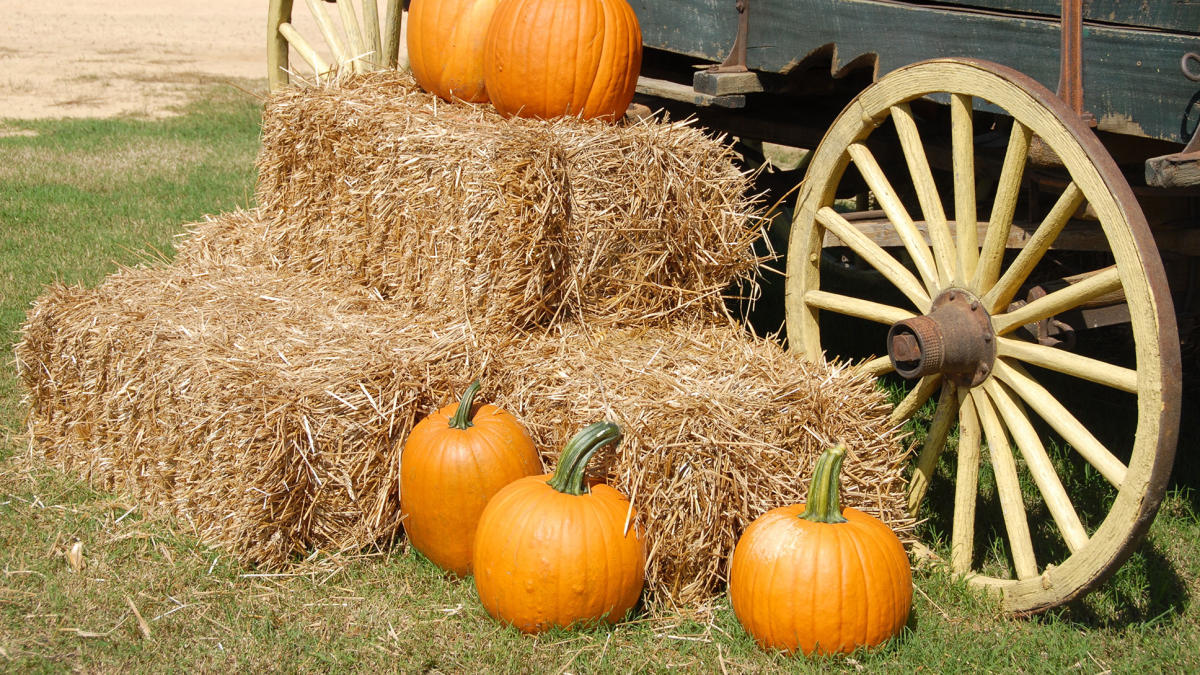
[
  {"x": 265, "y": 408},
  {"x": 262, "y": 385},
  {"x": 268, "y": 408},
  {"x": 386, "y": 184},
  {"x": 719, "y": 427}
]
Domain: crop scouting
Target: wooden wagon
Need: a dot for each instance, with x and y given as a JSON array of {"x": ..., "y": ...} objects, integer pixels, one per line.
[{"x": 987, "y": 179}]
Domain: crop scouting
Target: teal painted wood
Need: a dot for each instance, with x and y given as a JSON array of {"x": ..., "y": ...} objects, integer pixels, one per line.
[
  {"x": 1175, "y": 15},
  {"x": 1132, "y": 81}
]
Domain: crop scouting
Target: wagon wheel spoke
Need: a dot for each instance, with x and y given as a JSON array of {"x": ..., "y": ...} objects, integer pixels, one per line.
[
  {"x": 354, "y": 35},
  {"x": 372, "y": 39},
  {"x": 1076, "y": 365},
  {"x": 857, "y": 307},
  {"x": 303, "y": 48},
  {"x": 931, "y": 450},
  {"x": 1039, "y": 465},
  {"x": 354, "y": 38},
  {"x": 966, "y": 486},
  {"x": 962, "y": 134},
  {"x": 1102, "y": 282},
  {"x": 888, "y": 200},
  {"x": 942, "y": 241},
  {"x": 333, "y": 38},
  {"x": 1002, "y": 292},
  {"x": 391, "y": 30},
  {"x": 878, "y": 366},
  {"x": 1061, "y": 420},
  {"x": 915, "y": 399},
  {"x": 875, "y": 256},
  {"x": 1003, "y": 207},
  {"x": 1008, "y": 486}
]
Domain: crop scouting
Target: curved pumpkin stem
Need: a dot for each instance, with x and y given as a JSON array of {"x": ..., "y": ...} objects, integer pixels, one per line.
[
  {"x": 462, "y": 416},
  {"x": 824, "y": 503},
  {"x": 568, "y": 477}
]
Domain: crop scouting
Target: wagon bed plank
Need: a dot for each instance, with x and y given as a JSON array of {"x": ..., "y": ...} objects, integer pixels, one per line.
[{"x": 1132, "y": 82}]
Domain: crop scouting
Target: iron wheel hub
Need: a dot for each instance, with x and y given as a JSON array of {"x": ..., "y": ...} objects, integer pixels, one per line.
[{"x": 954, "y": 339}]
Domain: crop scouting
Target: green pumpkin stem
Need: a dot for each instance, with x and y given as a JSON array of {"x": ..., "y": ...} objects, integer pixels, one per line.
[
  {"x": 568, "y": 477},
  {"x": 462, "y": 416},
  {"x": 824, "y": 504}
]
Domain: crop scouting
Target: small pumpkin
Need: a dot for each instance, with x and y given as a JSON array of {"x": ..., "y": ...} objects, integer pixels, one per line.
[
  {"x": 453, "y": 462},
  {"x": 445, "y": 46},
  {"x": 547, "y": 58},
  {"x": 817, "y": 578},
  {"x": 552, "y": 552}
]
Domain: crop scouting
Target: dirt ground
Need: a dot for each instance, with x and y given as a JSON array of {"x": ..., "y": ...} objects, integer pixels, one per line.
[{"x": 96, "y": 58}]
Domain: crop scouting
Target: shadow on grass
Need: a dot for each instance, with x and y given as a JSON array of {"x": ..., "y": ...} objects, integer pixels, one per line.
[{"x": 1145, "y": 591}]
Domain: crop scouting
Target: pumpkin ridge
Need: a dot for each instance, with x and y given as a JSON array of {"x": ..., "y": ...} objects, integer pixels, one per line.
[
  {"x": 853, "y": 544},
  {"x": 611, "y": 517},
  {"x": 601, "y": 64},
  {"x": 639, "y": 572},
  {"x": 767, "y": 578},
  {"x": 554, "y": 75},
  {"x": 592, "y": 513},
  {"x": 588, "y": 58},
  {"x": 416, "y": 55},
  {"x": 881, "y": 614}
]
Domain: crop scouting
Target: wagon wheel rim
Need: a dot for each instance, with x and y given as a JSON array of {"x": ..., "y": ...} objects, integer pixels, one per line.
[
  {"x": 345, "y": 35},
  {"x": 991, "y": 397}
]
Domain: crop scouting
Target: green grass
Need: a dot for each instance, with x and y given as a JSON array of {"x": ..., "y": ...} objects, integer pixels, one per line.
[{"x": 83, "y": 196}]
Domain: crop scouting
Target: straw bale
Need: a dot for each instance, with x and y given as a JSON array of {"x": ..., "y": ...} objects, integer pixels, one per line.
[
  {"x": 662, "y": 222},
  {"x": 266, "y": 408},
  {"x": 719, "y": 426},
  {"x": 542, "y": 220},
  {"x": 238, "y": 238},
  {"x": 412, "y": 203}
]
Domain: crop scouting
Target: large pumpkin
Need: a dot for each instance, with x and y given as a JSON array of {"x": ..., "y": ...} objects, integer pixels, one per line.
[
  {"x": 445, "y": 46},
  {"x": 546, "y": 58},
  {"x": 817, "y": 578},
  {"x": 551, "y": 552},
  {"x": 452, "y": 463}
]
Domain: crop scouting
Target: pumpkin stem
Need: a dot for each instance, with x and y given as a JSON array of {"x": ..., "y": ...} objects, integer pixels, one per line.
[
  {"x": 568, "y": 477},
  {"x": 462, "y": 416},
  {"x": 824, "y": 504}
]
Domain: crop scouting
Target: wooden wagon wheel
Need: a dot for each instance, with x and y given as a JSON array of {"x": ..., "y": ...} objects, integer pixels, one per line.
[
  {"x": 363, "y": 45},
  {"x": 953, "y": 329}
]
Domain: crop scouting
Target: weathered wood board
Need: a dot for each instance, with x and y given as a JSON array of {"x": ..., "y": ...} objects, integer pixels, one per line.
[
  {"x": 1175, "y": 15},
  {"x": 1132, "y": 79}
]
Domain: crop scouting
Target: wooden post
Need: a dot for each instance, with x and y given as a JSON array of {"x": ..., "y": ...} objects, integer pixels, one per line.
[
  {"x": 370, "y": 10},
  {"x": 280, "y": 11},
  {"x": 391, "y": 37},
  {"x": 354, "y": 35}
]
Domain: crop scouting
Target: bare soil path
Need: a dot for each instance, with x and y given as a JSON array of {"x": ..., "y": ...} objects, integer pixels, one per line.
[{"x": 99, "y": 58}]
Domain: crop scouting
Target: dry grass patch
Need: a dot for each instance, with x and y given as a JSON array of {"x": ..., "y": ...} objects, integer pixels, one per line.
[{"x": 135, "y": 162}]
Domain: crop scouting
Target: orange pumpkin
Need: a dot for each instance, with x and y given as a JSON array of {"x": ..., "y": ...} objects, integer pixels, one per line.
[
  {"x": 452, "y": 463},
  {"x": 546, "y": 58},
  {"x": 551, "y": 552},
  {"x": 817, "y": 578},
  {"x": 445, "y": 46}
]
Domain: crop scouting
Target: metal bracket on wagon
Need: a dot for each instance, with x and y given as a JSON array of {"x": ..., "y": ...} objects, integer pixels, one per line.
[{"x": 1180, "y": 169}]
